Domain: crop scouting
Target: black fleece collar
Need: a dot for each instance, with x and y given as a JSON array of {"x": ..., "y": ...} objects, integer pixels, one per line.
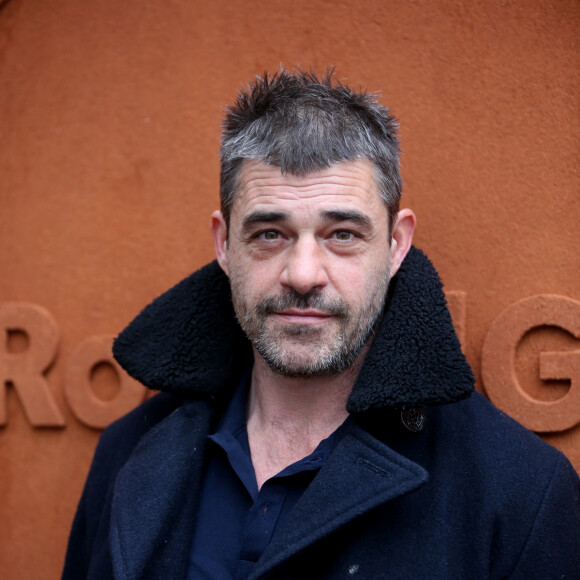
[{"x": 188, "y": 342}]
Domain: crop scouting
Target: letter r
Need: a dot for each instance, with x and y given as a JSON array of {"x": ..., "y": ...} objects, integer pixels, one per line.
[{"x": 24, "y": 370}]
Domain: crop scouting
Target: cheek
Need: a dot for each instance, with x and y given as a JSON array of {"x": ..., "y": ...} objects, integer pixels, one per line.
[
  {"x": 258, "y": 272},
  {"x": 238, "y": 278},
  {"x": 360, "y": 282},
  {"x": 249, "y": 281},
  {"x": 351, "y": 284},
  {"x": 359, "y": 272}
]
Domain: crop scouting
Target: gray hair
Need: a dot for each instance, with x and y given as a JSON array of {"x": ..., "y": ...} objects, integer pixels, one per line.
[{"x": 303, "y": 124}]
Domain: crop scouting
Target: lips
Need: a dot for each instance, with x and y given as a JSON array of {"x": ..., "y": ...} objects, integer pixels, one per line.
[
  {"x": 303, "y": 316},
  {"x": 311, "y": 308}
]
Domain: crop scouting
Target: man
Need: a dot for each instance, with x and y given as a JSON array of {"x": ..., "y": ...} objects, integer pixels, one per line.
[{"x": 318, "y": 418}]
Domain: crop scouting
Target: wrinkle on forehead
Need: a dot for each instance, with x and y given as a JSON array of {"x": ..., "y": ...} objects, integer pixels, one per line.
[{"x": 348, "y": 181}]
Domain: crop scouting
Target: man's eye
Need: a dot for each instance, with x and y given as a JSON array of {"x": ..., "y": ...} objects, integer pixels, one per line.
[
  {"x": 343, "y": 236},
  {"x": 269, "y": 235}
]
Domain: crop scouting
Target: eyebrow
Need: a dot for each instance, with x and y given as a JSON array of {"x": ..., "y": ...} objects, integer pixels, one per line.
[
  {"x": 329, "y": 215},
  {"x": 346, "y": 215},
  {"x": 263, "y": 217}
]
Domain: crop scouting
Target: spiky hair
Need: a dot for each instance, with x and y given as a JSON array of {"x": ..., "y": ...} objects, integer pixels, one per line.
[{"x": 303, "y": 123}]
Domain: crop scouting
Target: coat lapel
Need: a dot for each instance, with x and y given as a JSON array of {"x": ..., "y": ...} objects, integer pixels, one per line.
[
  {"x": 155, "y": 496},
  {"x": 361, "y": 474}
]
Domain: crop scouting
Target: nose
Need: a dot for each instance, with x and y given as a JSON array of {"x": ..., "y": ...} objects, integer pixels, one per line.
[{"x": 305, "y": 268}]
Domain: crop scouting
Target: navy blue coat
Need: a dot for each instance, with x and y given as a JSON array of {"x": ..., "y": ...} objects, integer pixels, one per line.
[{"x": 461, "y": 491}]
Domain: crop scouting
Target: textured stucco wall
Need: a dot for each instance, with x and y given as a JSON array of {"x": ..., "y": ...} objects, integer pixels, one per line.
[{"x": 109, "y": 128}]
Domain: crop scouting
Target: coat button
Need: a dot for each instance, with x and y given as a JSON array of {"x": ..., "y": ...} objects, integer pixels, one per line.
[{"x": 414, "y": 419}]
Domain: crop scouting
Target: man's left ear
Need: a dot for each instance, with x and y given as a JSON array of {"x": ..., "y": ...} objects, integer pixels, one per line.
[{"x": 402, "y": 238}]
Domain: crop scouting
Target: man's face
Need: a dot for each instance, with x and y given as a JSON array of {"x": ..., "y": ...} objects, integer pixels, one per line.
[{"x": 308, "y": 259}]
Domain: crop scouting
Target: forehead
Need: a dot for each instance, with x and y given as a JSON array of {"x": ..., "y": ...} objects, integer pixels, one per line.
[{"x": 346, "y": 184}]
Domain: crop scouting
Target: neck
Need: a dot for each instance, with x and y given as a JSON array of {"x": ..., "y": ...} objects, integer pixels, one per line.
[{"x": 289, "y": 417}]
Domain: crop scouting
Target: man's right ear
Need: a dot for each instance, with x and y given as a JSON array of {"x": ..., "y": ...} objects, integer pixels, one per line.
[{"x": 219, "y": 232}]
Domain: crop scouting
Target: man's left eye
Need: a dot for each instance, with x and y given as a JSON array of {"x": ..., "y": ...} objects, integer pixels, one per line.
[
  {"x": 269, "y": 235},
  {"x": 343, "y": 235}
]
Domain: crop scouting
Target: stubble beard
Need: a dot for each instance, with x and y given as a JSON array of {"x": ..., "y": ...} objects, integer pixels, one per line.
[{"x": 302, "y": 350}]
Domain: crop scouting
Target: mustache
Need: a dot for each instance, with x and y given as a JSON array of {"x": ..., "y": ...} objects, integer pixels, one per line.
[{"x": 292, "y": 299}]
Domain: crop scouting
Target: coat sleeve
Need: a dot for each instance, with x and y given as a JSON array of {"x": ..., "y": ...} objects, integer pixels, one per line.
[
  {"x": 76, "y": 559},
  {"x": 88, "y": 555},
  {"x": 552, "y": 549},
  {"x": 87, "y": 551}
]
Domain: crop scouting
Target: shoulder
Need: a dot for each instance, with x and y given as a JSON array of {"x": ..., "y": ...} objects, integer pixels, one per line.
[
  {"x": 490, "y": 433},
  {"x": 495, "y": 457},
  {"x": 532, "y": 489},
  {"x": 143, "y": 418},
  {"x": 120, "y": 438},
  {"x": 521, "y": 494},
  {"x": 486, "y": 436}
]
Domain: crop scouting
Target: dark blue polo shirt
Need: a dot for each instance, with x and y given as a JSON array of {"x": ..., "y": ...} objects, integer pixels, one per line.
[{"x": 235, "y": 521}]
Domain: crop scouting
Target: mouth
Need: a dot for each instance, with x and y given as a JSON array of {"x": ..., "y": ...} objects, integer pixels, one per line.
[{"x": 300, "y": 316}]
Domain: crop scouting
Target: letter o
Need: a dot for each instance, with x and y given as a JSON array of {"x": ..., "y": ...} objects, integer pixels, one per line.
[{"x": 87, "y": 407}]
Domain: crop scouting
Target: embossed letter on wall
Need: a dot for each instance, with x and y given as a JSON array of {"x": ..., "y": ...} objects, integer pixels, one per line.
[
  {"x": 498, "y": 362},
  {"x": 88, "y": 408},
  {"x": 29, "y": 349},
  {"x": 24, "y": 368}
]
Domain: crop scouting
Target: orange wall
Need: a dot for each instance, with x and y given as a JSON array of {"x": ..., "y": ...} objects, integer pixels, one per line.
[{"x": 109, "y": 130}]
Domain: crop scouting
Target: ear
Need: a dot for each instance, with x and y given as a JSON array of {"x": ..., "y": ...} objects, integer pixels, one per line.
[
  {"x": 402, "y": 238},
  {"x": 219, "y": 232}
]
